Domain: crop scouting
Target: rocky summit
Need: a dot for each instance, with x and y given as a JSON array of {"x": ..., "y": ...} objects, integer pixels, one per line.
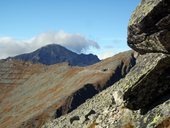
[
  {"x": 33, "y": 94},
  {"x": 142, "y": 98}
]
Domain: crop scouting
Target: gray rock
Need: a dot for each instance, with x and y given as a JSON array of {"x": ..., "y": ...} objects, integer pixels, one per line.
[
  {"x": 150, "y": 86},
  {"x": 149, "y": 26}
]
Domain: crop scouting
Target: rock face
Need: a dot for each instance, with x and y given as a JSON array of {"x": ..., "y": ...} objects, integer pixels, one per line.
[
  {"x": 142, "y": 98},
  {"x": 151, "y": 86},
  {"x": 149, "y": 27},
  {"x": 149, "y": 31},
  {"x": 32, "y": 94},
  {"x": 53, "y": 54}
]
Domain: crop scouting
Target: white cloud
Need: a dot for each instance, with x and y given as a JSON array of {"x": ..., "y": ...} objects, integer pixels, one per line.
[
  {"x": 75, "y": 42},
  {"x": 105, "y": 54},
  {"x": 109, "y": 52}
]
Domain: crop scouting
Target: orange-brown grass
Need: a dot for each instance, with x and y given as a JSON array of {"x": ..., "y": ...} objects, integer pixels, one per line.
[
  {"x": 129, "y": 125},
  {"x": 93, "y": 125},
  {"x": 164, "y": 124}
]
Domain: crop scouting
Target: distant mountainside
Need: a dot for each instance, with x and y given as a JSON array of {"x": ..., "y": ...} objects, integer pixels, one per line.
[
  {"x": 54, "y": 53},
  {"x": 33, "y": 94}
]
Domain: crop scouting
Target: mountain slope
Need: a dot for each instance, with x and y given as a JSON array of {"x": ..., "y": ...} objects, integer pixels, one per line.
[
  {"x": 34, "y": 93},
  {"x": 142, "y": 98},
  {"x": 144, "y": 88},
  {"x": 54, "y": 53}
]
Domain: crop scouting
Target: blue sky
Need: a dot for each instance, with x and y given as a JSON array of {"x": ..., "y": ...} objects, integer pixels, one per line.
[{"x": 101, "y": 21}]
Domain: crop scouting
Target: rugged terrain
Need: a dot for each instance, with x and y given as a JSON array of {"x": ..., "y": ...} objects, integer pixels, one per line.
[
  {"x": 119, "y": 106},
  {"x": 129, "y": 90},
  {"x": 54, "y": 53},
  {"x": 32, "y": 94},
  {"x": 142, "y": 98}
]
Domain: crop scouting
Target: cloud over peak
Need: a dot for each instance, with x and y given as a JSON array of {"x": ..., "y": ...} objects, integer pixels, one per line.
[{"x": 75, "y": 42}]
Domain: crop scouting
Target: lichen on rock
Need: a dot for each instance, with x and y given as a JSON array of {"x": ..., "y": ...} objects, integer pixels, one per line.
[{"x": 149, "y": 27}]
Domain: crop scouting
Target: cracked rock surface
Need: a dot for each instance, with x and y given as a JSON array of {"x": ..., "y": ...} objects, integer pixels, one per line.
[{"x": 149, "y": 27}]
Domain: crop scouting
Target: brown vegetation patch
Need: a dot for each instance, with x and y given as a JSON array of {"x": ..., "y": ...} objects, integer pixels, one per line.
[
  {"x": 164, "y": 124},
  {"x": 93, "y": 125},
  {"x": 129, "y": 125}
]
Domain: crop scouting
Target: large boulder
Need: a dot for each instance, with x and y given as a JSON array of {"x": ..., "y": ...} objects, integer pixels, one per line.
[{"x": 149, "y": 27}]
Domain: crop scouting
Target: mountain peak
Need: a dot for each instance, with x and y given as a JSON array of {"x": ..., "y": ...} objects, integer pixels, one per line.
[
  {"x": 53, "y": 46},
  {"x": 55, "y": 53}
]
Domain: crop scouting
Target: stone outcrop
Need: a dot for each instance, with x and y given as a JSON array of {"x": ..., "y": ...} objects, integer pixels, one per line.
[
  {"x": 32, "y": 94},
  {"x": 149, "y": 31},
  {"x": 149, "y": 27},
  {"x": 150, "y": 86}
]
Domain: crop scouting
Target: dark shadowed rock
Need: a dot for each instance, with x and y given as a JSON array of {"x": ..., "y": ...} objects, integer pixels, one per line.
[
  {"x": 151, "y": 86},
  {"x": 149, "y": 27},
  {"x": 53, "y": 54}
]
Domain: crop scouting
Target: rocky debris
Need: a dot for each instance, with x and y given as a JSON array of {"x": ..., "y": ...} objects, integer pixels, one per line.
[
  {"x": 149, "y": 27},
  {"x": 92, "y": 112},
  {"x": 110, "y": 105},
  {"x": 75, "y": 118},
  {"x": 77, "y": 98},
  {"x": 39, "y": 93}
]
